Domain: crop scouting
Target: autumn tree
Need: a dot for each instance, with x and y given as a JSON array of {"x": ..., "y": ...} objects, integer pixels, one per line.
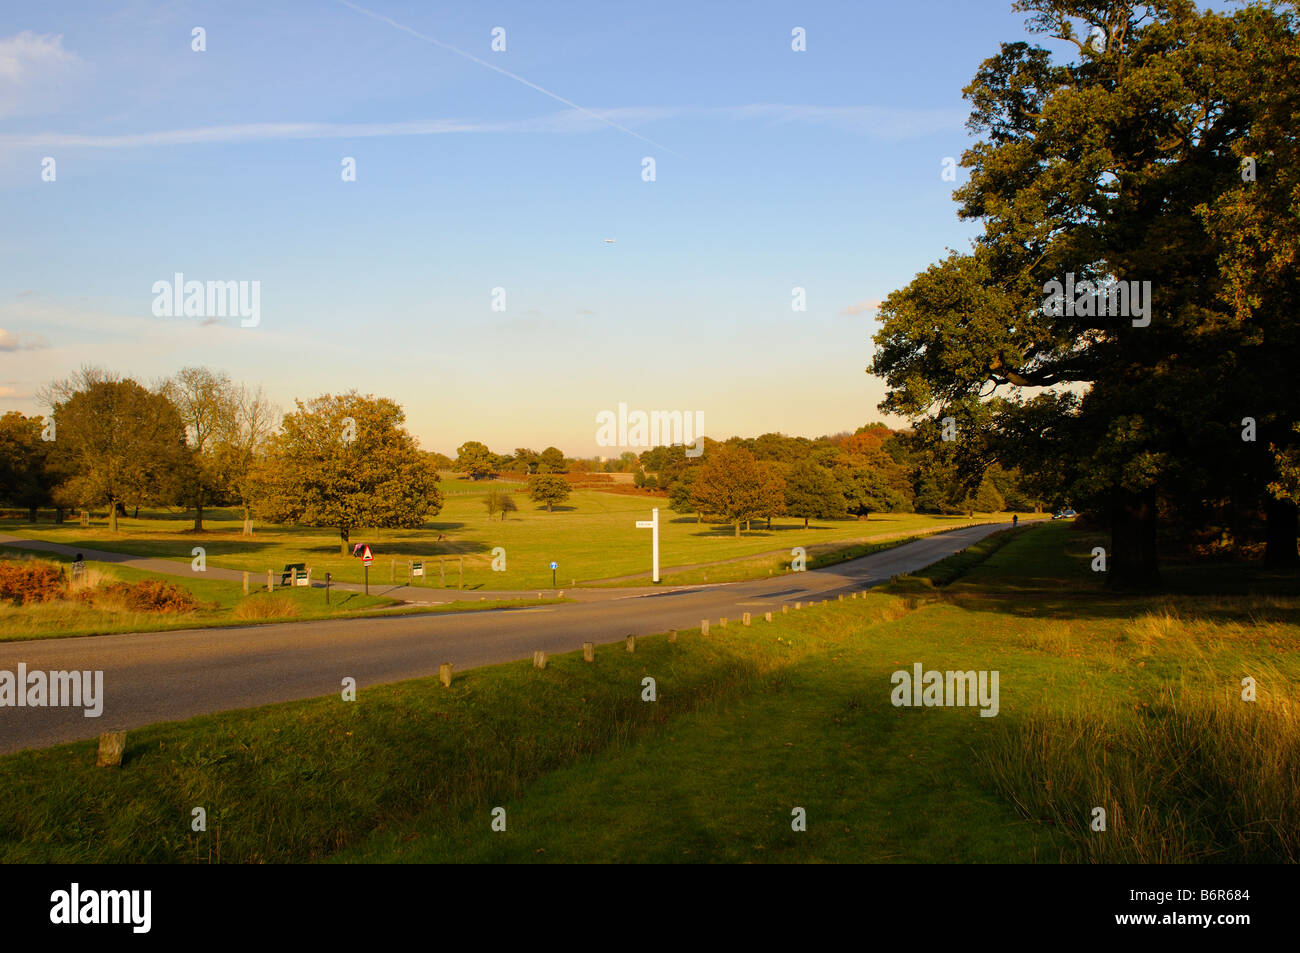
[
  {"x": 730, "y": 485},
  {"x": 346, "y": 462},
  {"x": 25, "y": 479},
  {"x": 1103, "y": 172},
  {"x": 548, "y": 489},
  {"x": 551, "y": 460},
  {"x": 206, "y": 403},
  {"x": 812, "y": 493},
  {"x": 115, "y": 440},
  {"x": 475, "y": 460}
]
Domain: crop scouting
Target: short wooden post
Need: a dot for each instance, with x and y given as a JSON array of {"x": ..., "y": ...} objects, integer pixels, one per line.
[
  {"x": 460, "y": 579},
  {"x": 785, "y": 609},
  {"x": 744, "y": 620},
  {"x": 111, "y": 746},
  {"x": 270, "y": 581},
  {"x": 840, "y": 597},
  {"x": 293, "y": 578},
  {"x": 722, "y": 623},
  {"x": 672, "y": 636},
  {"x": 392, "y": 569},
  {"x": 631, "y": 643},
  {"x": 539, "y": 660},
  {"x": 589, "y": 651},
  {"x": 442, "y": 573},
  {"x": 245, "y": 583},
  {"x": 767, "y": 617},
  {"x": 444, "y": 673},
  {"x": 704, "y": 627},
  {"x": 798, "y": 605}
]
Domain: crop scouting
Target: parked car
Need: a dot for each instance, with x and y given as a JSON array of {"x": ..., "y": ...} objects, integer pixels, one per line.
[{"x": 1065, "y": 514}]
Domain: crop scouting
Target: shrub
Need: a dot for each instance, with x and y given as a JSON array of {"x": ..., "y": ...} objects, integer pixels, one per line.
[
  {"x": 30, "y": 581},
  {"x": 151, "y": 595}
]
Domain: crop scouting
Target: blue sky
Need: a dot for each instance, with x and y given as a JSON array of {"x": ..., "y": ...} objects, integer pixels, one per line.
[{"x": 774, "y": 169}]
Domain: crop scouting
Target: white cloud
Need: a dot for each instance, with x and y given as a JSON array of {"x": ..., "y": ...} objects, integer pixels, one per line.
[
  {"x": 31, "y": 66},
  {"x": 875, "y": 121},
  {"x": 21, "y": 341},
  {"x": 866, "y": 306}
]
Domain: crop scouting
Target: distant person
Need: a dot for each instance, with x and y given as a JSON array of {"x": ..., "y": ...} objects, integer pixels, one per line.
[{"x": 1015, "y": 520}]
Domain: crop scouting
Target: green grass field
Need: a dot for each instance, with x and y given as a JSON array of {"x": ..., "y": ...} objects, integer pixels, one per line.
[
  {"x": 223, "y": 603},
  {"x": 1130, "y": 703},
  {"x": 593, "y": 537}
]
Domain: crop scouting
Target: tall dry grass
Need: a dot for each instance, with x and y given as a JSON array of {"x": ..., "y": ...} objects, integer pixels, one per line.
[{"x": 1195, "y": 774}]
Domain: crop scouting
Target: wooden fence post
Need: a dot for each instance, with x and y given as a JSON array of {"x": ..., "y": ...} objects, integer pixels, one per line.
[
  {"x": 589, "y": 651},
  {"x": 631, "y": 643},
  {"x": 245, "y": 583},
  {"x": 704, "y": 627},
  {"x": 111, "y": 746},
  {"x": 539, "y": 660},
  {"x": 444, "y": 673}
]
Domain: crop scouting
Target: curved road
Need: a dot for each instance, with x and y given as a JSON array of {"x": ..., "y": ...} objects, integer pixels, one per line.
[{"x": 164, "y": 676}]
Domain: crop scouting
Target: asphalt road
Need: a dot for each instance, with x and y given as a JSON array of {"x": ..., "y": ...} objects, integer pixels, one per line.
[{"x": 165, "y": 676}]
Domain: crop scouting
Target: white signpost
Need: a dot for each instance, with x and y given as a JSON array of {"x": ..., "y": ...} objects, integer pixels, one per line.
[{"x": 652, "y": 524}]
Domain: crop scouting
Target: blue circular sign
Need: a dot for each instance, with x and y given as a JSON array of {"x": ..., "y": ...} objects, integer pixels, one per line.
[{"x": 555, "y": 565}]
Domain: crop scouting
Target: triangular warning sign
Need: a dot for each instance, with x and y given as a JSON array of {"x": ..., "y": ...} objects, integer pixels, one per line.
[{"x": 365, "y": 553}]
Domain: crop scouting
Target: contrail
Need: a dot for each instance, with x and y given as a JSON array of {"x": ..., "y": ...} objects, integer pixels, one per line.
[{"x": 504, "y": 72}]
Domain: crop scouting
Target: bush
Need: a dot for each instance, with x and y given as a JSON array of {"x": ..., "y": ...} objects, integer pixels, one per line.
[
  {"x": 150, "y": 595},
  {"x": 31, "y": 582}
]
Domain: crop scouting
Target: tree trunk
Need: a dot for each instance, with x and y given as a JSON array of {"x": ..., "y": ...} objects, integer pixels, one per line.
[
  {"x": 548, "y": 508},
  {"x": 769, "y": 522},
  {"x": 198, "y": 518},
  {"x": 344, "y": 537},
  {"x": 137, "y": 512},
  {"x": 699, "y": 517},
  {"x": 58, "y": 514},
  {"x": 1134, "y": 563},
  {"x": 31, "y": 514},
  {"x": 737, "y": 529},
  {"x": 1281, "y": 526},
  {"x": 112, "y": 516}
]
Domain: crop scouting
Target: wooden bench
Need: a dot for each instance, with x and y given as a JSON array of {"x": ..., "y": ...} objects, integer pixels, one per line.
[{"x": 304, "y": 574}]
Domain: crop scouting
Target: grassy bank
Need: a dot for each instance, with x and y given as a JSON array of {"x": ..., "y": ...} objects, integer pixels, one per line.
[{"x": 1128, "y": 703}]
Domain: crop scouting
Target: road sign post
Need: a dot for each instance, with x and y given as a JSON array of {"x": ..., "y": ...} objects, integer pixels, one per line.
[
  {"x": 652, "y": 524},
  {"x": 367, "y": 557},
  {"x": 554, "y": 566}
]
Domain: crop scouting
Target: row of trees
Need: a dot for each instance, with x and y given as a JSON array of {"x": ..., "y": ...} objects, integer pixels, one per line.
[
  {"x": 198, "y": 440},
  {"x": 1162, "y": 150},
  {"x": 734, "y": 486},
  {"x": 874, "y": 469}
]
